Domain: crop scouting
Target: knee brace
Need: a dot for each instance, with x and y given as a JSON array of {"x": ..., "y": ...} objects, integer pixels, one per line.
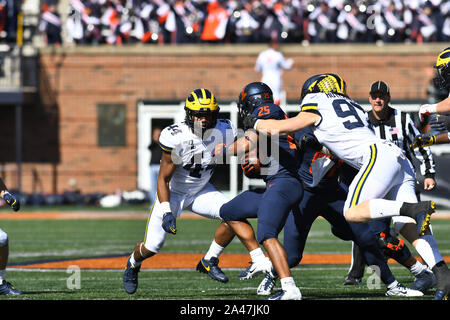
[
  {"x": 3, "y": 238},
  {"x": 393, "y": 247}
]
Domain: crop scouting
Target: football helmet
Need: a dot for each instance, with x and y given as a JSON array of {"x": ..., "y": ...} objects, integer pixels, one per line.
[
  {"x": 443, "y": 69},
  {"x": 308, "y": 85},
  {"x": 326, "y": 83},
  {"x": 201, "y": 103},
  {"x": 253, "y": 95}
]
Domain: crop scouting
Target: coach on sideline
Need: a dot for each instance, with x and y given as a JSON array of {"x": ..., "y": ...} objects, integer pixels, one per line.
[{"x": 396, "y": 126}]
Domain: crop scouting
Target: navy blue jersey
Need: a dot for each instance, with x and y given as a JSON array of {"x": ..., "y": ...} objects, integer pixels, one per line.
[
  {"x": 309, "y": 146},
  {"x": 288, "y": 159}
]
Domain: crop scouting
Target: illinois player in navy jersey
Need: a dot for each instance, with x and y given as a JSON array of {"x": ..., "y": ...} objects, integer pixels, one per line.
[{"x": 282, "y": 193}]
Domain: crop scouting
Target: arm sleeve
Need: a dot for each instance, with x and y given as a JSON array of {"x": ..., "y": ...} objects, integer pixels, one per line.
[{"x": 310, "y": 105}]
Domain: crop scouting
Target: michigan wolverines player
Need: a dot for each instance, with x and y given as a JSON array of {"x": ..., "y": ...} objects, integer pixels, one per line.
[
  {"x": 187, "y": 165},
  {"x": 443, "y": 80}
]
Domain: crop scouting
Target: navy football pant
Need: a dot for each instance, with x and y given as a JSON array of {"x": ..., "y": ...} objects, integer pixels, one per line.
[
  {"x": 271, "y": 207},
  {"x": 243, "y": 206}
]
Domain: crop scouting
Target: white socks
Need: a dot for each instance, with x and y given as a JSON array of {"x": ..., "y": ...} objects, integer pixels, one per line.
[
  {"x": 215, "y": 250},
  {"x": 417, "y": 268},
  {"x": 287, "y": 283},
  {"x": 133, "y": 262},
  {"x": 380, "y": 208},
  {"x": 257, "y": 255},
  {"x": 392, "y": 285},
  {"x": 426, "y": 246}
]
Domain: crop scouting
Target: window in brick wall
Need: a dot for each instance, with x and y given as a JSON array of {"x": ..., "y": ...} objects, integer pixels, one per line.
[{"x": 111, "y": 125}]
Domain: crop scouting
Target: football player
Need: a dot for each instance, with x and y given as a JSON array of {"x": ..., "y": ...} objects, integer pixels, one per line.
[
  {"x": 187, "y": 165},
  {"x": 6, "y": 288},
  {"x": 324, "y": 195},
  {"x": 385, "y": 183},
  {"x": 396, "y": 126},
  {"x": 282, "y": 193},
  {"x": 443, "y": 80}
]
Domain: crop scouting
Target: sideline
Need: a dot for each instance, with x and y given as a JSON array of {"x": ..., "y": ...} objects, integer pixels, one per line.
[
  {"x": 182, "y": 261},
  {"x": 121, "y": 215}
]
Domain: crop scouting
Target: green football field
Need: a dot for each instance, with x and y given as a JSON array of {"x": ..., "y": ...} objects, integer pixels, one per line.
[{"x": 54, "y": 240}]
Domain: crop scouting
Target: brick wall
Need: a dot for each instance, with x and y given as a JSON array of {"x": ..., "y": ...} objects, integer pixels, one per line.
[{"x": 74, "y": 80}]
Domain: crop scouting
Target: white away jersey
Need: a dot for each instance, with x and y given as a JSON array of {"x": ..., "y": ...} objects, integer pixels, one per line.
[
  {"x": 344, "y": 128},
  {"x": 192, "y": 155}
]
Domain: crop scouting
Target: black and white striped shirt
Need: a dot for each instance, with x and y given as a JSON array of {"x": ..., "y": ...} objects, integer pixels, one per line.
[{"x": 399, "y": 128}]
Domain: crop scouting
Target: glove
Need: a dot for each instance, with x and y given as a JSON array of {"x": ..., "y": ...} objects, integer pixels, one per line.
[
  {"x": 423, "y": 140},
  {"x": 426, "y": 110},
  {"x": 252, "y": 169},
  {"x": 249, "y": 121},
  {"x": 220, "y": 150},
  {"x": 169, "y": 223},
  {"x": 11, "y": 201},
  {"x": 438, "y": 123}
]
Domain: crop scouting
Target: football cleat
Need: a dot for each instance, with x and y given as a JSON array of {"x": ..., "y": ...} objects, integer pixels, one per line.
[
  {"x": 8, "y": 289},
  {"x": 255, "y": 268},
  {"x": 442, "y": 273},
  {"x": 401, "y": 291},
  {"x": 423, "y": 281},
  {"x": 211, "y": 268},
  {"x": 352, "y": 281},
  {"x": 440, "y": 295},
  {"x": 421, "y": 212},
  {"x": 291, "y": 294},
  {"x": 266, "y": 286},
  {"x": 130, "y": 277}
]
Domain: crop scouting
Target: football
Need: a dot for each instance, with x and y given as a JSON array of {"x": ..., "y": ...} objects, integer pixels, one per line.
[{"x": 251, "y": 167}]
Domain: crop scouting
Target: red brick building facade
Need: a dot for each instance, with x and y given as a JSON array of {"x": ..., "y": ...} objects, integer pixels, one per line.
[{"x": 61, "y": 150}]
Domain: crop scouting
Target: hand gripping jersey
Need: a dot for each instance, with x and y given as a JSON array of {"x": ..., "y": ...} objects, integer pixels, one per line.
[
  {"x": 343, "y": 128},
  {"x": 193, "y": 155}
]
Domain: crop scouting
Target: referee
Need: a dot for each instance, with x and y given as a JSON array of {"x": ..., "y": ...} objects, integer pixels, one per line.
[{"x": 395, "y": 126}]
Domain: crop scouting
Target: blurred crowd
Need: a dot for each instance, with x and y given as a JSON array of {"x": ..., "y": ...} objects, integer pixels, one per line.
[{"x": 247, "y": 21}]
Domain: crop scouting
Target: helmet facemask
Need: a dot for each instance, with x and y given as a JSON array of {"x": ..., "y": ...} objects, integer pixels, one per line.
[
  {"x": 443, "y": 69},
  {"x": 252, "y": 96},
  {"x": 442, "y": 81},
  {"x": 210, "y": 116}
]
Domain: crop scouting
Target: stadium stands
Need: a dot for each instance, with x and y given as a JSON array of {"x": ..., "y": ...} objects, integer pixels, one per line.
[{"x": 118, "y": 22}]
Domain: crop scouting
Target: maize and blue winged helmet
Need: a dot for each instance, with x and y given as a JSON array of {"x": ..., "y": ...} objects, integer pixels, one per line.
[
  {"x": 443, "y": 69},
  {"x": 326, "y": 83},
  {"x": 201, "y": 103}
]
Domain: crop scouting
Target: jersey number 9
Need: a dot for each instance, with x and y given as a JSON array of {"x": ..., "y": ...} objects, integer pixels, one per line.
[{"x": 346, "y": 109}]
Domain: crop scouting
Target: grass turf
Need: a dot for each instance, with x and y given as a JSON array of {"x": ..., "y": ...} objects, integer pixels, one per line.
[{"x": 43, "y": 240}]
